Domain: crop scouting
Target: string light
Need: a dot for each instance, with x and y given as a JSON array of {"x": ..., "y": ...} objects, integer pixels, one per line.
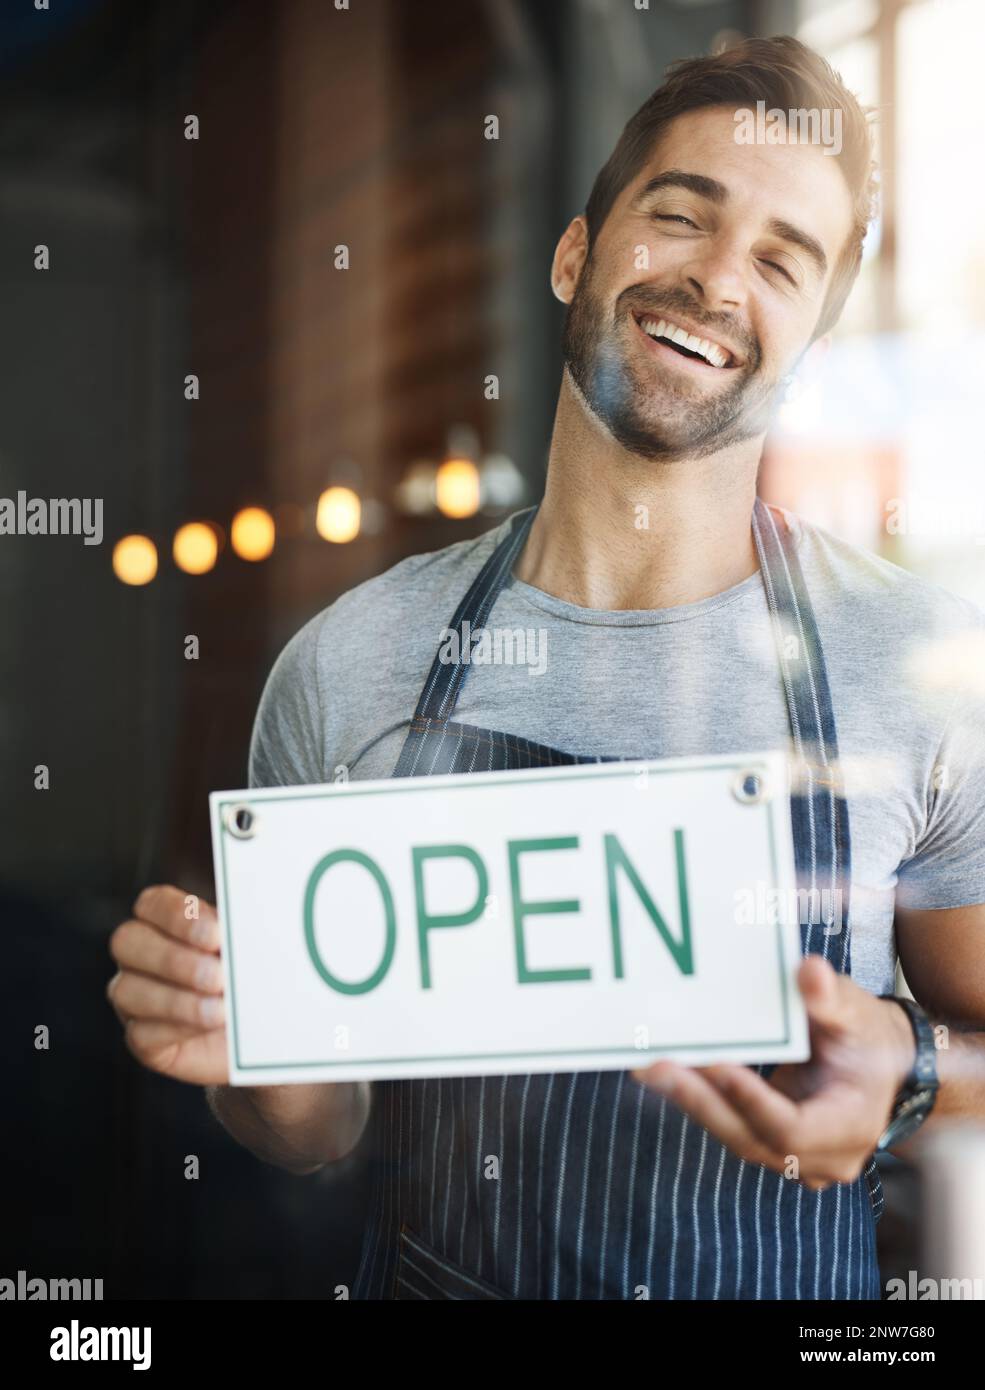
[
  {"x": 414, "y": 494},
  {"x": 456, "y": 488},
  {"x": 252, "y": 533},
  {"x": 135, "y": 559},
  {"x": 339, "y": 515},
  {"x": 195, "y": 547}
]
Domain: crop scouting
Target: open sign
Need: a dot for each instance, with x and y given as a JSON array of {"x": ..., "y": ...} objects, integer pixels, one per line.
[{"x": 560, "y": 919}]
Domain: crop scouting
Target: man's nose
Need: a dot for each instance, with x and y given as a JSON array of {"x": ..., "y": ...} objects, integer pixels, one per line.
[{"x": 717, "y": 276}]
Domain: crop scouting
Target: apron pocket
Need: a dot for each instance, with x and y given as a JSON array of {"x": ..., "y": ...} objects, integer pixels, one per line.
[{"x": 423, "y": 1273}]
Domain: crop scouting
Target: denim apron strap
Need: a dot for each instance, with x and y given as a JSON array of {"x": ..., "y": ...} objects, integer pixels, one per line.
[
  {"x": 439, "y": 696},
  {"x": 819, "y": 811}
]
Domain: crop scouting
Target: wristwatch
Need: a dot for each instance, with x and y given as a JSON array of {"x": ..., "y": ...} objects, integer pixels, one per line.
[{"x": 915, "y": 1098}]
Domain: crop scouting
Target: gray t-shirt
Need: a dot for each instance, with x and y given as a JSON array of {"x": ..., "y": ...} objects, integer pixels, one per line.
[{"x": 905, "y": 659}]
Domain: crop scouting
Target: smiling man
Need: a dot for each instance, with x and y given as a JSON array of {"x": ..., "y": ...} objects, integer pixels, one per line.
[{"x": 683, "y": 616}]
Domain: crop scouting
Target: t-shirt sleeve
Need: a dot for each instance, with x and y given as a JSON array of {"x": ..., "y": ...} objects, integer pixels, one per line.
[
  {"x": 947, "y": 868},
  {"x": 287, "y": 744}
]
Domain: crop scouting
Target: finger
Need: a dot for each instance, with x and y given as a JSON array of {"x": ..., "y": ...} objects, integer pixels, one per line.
[
  {"x": 703, "y": 1103},
  {"x": 181, "y": 915},
  {"x": 823, "y": 1133},
  {"x": 157, "y": 1044},
  {"x": 179, "y": 1051},
  {"x": 137, "y": 946},
  {"x": 111, "y": 989},
  {"x": 137, "y": 996},
  {"x": 729, "y": 1126},
  {"x": 772, "y": 1117}
]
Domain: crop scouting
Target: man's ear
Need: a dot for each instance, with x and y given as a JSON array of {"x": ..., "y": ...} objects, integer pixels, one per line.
[{"x": 570, "y": 255}]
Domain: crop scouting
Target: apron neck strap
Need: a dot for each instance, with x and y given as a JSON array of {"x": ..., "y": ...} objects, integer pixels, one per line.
[
  {"x": 805, "y": 677},
  {"x": 819, "y": 810},
  {"x": 444, "y": 683},
  {"x": 805, "y": 680}
]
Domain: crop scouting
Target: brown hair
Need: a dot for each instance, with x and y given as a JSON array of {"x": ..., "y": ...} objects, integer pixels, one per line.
[{"x": 783, "y": 73}]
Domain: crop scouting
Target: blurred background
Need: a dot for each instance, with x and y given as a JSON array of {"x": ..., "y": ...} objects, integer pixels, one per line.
[{"x": 314, "y": 338}]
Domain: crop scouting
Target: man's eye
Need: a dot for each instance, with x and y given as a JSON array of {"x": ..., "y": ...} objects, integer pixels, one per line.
[
  {"x": 674, "y": 217},
  {"x": 782, "y": 269}
]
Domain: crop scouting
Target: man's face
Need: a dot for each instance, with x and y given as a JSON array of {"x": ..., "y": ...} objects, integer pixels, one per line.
[{"x": 734, "y": 244}]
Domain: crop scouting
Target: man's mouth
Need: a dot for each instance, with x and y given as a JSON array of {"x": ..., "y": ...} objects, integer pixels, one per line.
[{"x": 686, "y": 342}]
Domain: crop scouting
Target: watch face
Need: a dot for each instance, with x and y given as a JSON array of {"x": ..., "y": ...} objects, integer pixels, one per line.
[{"x": 908, "y": 1118}]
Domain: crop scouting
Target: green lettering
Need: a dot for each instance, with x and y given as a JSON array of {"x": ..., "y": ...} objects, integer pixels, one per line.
[
  {"x": 521, "y": 909},
  {"x": 615, "y": 858},
  {"x": 425, "y": 920},
  {"x": 352, "y": 856}
]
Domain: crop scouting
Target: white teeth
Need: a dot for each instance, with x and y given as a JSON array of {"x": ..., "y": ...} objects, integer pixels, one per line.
[{"x": 660, "y": 328}]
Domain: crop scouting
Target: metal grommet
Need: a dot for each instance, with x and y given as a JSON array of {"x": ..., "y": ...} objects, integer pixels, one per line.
[
  {"x": 749, "y": 787},
  {"x": 240, "y": 820}
]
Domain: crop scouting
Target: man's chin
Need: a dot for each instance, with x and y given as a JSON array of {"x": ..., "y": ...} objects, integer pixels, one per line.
[
  {"x": 669, "y": 440},
  {"x": 676, "y": 423}
]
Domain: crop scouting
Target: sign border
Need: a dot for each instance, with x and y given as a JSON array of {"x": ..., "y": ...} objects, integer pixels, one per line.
[{"x": 453, "y": 782}]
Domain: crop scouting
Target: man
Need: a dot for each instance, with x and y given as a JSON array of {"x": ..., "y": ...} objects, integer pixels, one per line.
[{"x": 682, "y": 616}]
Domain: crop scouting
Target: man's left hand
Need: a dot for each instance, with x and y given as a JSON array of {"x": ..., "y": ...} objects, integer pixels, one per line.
[{"x": 826, "y": 1113}]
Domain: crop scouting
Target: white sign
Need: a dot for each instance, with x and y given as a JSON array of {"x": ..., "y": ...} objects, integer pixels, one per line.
[{"x": 559, "y": 919}]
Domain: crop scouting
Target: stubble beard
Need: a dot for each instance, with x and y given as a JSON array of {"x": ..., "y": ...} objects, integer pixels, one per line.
[{"x": 682, "y": 424}]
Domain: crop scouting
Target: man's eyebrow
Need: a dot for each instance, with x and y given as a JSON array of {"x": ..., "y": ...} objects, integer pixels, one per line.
[
  {"x": 788, "y": 232},
  {"x": 716, "y": 192},
  {"x": 705, "y": 187}
]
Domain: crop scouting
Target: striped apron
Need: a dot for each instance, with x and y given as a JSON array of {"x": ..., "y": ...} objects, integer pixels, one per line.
[{"x": 602, "y": 1189}]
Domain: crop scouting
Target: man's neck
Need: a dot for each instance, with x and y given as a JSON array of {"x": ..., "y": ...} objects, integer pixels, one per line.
[{"x": 616, "y": 531}]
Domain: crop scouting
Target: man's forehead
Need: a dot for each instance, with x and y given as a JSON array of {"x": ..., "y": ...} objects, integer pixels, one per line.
[{"x": 796, "y": 183}]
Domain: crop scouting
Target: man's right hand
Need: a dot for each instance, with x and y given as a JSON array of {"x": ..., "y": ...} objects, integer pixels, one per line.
[{"x": 168, "y": 990}]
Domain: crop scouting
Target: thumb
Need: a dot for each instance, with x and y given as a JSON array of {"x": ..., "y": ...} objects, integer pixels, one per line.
[{"x": 819, "y": 985}]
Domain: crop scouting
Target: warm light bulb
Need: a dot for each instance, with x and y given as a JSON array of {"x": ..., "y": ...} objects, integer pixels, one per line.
[
  {"x": 195, "y": 547},
  {"x": 339, "y": 515},
  {"x": 457, "y": 488},
  {"x": 135, "y": 560},
  {"x": 252, "y": 533}
]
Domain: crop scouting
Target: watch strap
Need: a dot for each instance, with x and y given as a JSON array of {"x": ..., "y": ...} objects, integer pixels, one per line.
[{"x": 918, "y": 1092}]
